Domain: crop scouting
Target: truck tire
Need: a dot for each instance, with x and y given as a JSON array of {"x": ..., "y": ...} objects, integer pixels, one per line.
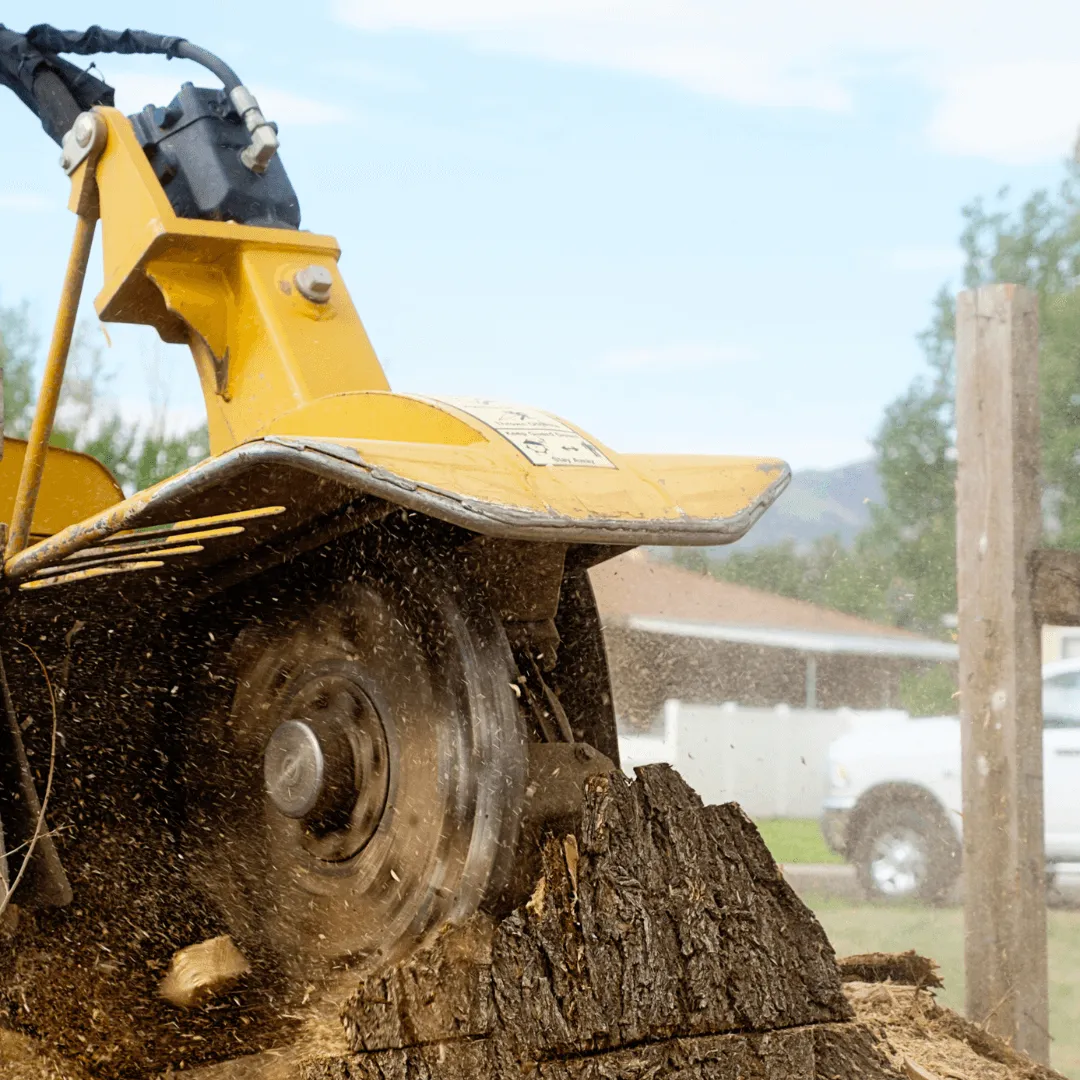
[{"x": 906, "y": 852}]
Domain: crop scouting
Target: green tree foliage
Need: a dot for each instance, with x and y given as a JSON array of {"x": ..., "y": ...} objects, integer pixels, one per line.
[
  {"x": 827, "y": 574},
  {"x": 87, "y": 420},
  {"x": 901, "y": 569},
  {"x": 912, "y": 535},
  {"x": 929, "y": 693},
  {"x": 17, "y": 347}
]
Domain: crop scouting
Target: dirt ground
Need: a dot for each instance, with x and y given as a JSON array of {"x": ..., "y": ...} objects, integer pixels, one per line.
[
  {"x": 924, "y": 1040},
  {"x": 23, "y": 1058},
  {"x": 660, "y": 940}
]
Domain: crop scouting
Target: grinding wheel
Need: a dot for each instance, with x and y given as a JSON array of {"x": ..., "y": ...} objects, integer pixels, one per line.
[{"x": 367, "y": 785}]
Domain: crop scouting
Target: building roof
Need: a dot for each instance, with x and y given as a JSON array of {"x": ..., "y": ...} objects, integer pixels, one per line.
[
  {"x": 656, "y": 597},
  {"x": 805, "y": 641}
]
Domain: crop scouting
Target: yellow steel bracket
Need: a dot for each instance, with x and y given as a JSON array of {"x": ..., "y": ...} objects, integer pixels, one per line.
[
  {"x": 235, "y": 294},
  {"x": 83, "y": 147}
]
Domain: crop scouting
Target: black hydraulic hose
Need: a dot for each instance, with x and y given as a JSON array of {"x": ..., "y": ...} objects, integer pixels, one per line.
[
  {"x": 186, "y": 51},
  {"x": 56, "y": 91},
  {"x": 96, "y": 39},
  {"x": 53, "y": 89},
  {"x": 56, "y": 104}
]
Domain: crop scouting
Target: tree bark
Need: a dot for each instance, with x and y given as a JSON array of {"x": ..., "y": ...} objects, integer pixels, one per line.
[{"x": 660, "y": 940}]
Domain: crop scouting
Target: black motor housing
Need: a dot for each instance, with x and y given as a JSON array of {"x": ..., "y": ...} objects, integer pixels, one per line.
[{"x": 194, "y": 146}]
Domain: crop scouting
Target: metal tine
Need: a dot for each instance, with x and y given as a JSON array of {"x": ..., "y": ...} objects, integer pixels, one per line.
[
  {"x": 153, "y": 542},
  {"x": 194, "y": 523},
  {"x": 91, "y": 572},
  {"x": 104, "y": 559}
]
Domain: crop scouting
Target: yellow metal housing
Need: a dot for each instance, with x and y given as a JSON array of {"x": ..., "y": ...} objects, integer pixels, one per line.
[
  {"x": 74, "y": 486},
  {"x": 293, "y": 388}
]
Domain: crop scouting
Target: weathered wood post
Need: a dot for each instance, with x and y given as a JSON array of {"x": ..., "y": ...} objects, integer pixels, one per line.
[{"x": 999, "y": 524}]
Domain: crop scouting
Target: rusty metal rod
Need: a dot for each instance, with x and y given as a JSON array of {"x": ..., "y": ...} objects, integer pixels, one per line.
[{"x": 55, "y": 363}]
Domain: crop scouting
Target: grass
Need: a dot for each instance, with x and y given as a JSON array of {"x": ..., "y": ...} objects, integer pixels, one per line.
[
  {"x": 796, "y": 840},
  {"x": 938, "y": 932}
]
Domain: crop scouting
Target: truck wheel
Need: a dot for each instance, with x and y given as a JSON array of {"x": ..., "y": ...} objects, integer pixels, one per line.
[
  {"x": 905, "y": 852},
  {"x": 364, "y": 786}
]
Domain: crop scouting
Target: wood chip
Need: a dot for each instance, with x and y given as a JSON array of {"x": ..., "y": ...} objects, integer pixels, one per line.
[
  {"x": 908, "y": 968},
  {"x": 570, "y": 850},
  {"x": 200, "y": 972},
  {"x": 535, "y": 903},
  {"x": 915, "y": 1071}
]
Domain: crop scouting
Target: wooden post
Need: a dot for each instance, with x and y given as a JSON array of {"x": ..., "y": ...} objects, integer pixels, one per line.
[{"x": 999, "y": 523}]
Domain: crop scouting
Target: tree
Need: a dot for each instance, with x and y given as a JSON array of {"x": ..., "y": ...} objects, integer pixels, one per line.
[
  {"x": 912, "y": 535},
  {"x": 137, "y": 455},
  {"x": 1036, "y": 245},
  {"x": 901, "y": 569},
  {"x": 18, "y": 345}
]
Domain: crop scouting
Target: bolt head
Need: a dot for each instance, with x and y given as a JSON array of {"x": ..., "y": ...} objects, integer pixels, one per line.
[
  {"x": 294, "y": 768},
  {"x": 314, "y": 282},
  {"x": 84, "y": 129}
]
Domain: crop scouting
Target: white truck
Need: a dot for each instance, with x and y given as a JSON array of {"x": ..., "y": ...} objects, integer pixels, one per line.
[{"x": 893, "y": 807}]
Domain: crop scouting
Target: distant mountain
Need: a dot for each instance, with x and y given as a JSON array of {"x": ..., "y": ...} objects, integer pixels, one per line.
[
  {"x": 820, "y": 502},
  {"x": 817, "y": 503}
]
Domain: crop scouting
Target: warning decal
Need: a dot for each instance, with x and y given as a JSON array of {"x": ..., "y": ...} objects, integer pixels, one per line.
[{"x": 543, "y": 439}]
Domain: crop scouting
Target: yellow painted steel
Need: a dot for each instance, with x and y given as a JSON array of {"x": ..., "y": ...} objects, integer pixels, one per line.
[
  {"x": 52, "y": 379},
  {"x": 447, "y": 448},
  {"x": 155, "y": 540},
  {"x": 90, "y": 573},
  {"x": 179, "y": 531},
  {"x": 74, "y": 486},
  {"x": 274, "y": 364},
  {"x": 76, "y": 563},
  {"x": 145, "y": 549},
  {"x": 226, "y": 290}
]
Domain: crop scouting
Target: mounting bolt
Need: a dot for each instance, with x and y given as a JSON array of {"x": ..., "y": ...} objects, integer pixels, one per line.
[
  {"x": 314, "y": 283},
  {"x": 84, "y": 129}
]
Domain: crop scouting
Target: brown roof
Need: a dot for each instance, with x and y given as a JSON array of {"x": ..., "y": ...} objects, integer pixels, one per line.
[{"x": 633, "y": 584}]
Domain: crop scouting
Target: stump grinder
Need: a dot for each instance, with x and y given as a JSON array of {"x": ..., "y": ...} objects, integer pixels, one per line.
[{"x": 345, "y": 669}]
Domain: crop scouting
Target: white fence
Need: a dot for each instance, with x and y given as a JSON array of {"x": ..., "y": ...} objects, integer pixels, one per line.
[{"x": 771, "y": 761}]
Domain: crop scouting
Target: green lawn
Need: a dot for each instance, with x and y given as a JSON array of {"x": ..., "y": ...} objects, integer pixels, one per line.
[
  {"x": 796, "y": 840},
  {"x": 938, "y": 932}
]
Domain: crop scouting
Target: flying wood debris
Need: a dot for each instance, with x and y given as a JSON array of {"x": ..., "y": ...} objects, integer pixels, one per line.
[{"x": 201, "y": 972}]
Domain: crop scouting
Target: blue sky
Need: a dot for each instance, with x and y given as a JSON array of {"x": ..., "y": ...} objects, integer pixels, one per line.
[{"x": 683, "y": 225}]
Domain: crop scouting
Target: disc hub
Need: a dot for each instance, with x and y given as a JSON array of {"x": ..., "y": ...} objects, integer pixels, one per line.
[
  {"x": 327, "y": 766},
  {"x": 294, "y": 767}
]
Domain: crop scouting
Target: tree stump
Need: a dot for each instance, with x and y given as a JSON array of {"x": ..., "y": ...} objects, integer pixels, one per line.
[{"x": 661, "y": 940}]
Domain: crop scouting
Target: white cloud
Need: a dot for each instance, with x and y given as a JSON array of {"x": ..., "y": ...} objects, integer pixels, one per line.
[
  {"x": 1004, "y": 81},
  {"x": 25, "y": 202},
  {"x": 1016, "y": 112},
  {"x": 673, "y": 357},
  {"x": 136, "y": 89}
]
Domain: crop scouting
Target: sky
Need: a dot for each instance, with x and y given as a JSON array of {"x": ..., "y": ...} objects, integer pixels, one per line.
[{"x": 684, "y": 225}]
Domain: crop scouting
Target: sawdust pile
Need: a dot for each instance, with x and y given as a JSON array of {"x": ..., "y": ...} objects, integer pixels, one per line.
[
  {"x": 661, "y": 940},
  {"x": 922, "y": 1039},
  {"x": 927, "y": 1041},
  {"x": 23, "y": 1058}
]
